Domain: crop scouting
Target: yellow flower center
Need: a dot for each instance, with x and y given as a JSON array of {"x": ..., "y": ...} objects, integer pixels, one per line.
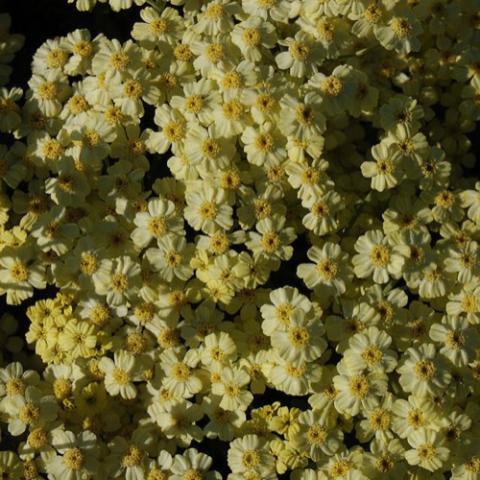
[
  {"x": 251, "y": 37},
  {"x": 157, "y": 226},
  {"x": 19, "y": 272},
  {"x": 168, "y": 337},
  {"x": 192, "y": 474},
  {"x": 119, "y": 282},
  {"x": 359, "y": 386},
  {"x": 230, "y": 180},
  {"x": 99, "y": 314},
  {"x": 455, "y": 340},
  {"x": 326, "y": 30},
  {"x": 73, "y": 458},
  {"x": 250, "y": 459},
  {"x": 57, "y": 58},
  {"x": 262, "y": 208},
  {"x": 265, "y": 102},
  {"x": 83, "y": 48},
  {"x": 445, "y": 199},
  {"x": 380, "y": 419},
  {"x": 233, "y": 109},
  {"x": 331, "y": 86},
  {"x": 113, "y": 115},
  {"x": 136, "y": 147},
  {"x": 264, "y": 142},
  {"x": 62, "y": 388},
  {"x": 91, "y": 138},
  {"x": 425, "y": 369},
  {"x": 299, "y": 51},
  {"x": 15, "y": 386},
  {"x": 158, "y": 26},
  {"x": 208, "y": 210},
  {"x": 373, "y": 13},
  {"x": 384, "y": 464},
  {"x": 270, "y": 242},
  {"x": 219, "y": 243},
  {"x": 340, "y": 468},
  {"x": 380, "y": 256},
  {"x": 298, "y": 336},
  {"x": 181, "y": 372},
  {"x": 52, "y": 149},
  {"x": 174, "y": 131},
  {"x": 210, "y": 148},
  {"x": 214, "y": 11},
  {"x": 119, "y": 61},
  {"x": 77, "y": 104},
  {"x": 400, "y": 27},
  {"x": 316, "y": 434},
  {"x": 172, "y": 258},
  {"x": 37, "y": 438},
  {"x": 47, "y": 91},
  {"x": 416, "y": 418},
  {"x": 426, "y": 451},
  {"x": 266, "y": 3},
  {"x": 194, "y": 103},
  {"x": 214, "y": 52},
  {"x": 132, "y": 457},
  {"x": 29, "y": 413},
  {"x": 120, "y": 376},
  {"x": 320, "y": 209},
  {"x": 372, "y": 355},
  {"x": 232, "y": 389},
  {"x": 182, "y": 52},
  {"x": 295, "y": 371},
  {"x": 327, "y": 269},
  {"x": 385, "y": 167},
  {"x": 132, "y": 89},
  {"x": 304, "y": 114},
  {"x": 157, "y": 474},
  {"x": 283, "y": 312}
]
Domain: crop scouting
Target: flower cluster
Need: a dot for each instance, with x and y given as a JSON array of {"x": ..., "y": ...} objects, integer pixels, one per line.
[{"x": 247, "y": 200}]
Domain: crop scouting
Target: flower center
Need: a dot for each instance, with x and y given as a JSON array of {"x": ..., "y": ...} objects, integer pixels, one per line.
[
  {"x": 359, "y": 386},
  {"x": 331, "y": 86},
  {"x": 210, "y": 148},
  {"x": 250, "y": 459},
  {"x": 158, "y": 26},
  {"x": 380, "y": 256},
  {"x": 455, "y": 340},
  {"x": 157, "y": 226},
  {"x": 132, "y": 457},
  {"x": 372, "y": 355},
  {"x": 327, "y": 269},
  {"x": 270, "y": 242},
  {"x": 73, "y": 458},
  {"x": 426, "y": 451},
  {"x": 400, "y": 27},
  {"x": 298, "y": 336},
  {"x": 194, "y": 103},
  {"x": 47, "y": 91},
  {"x": 208, "y": 210},
  {"x": 380, "y": 419},
  {"x": 251, "y": 37},
  {"x": 425, "y": 369},
  {"x": 120, "y": 376},
  {"x": 37, "y": 438},
  {"x": 316, "y": 434},
  {"x": 29, "y": 413},
  {"x": 119, "y": 61},
  {"x": 19, "y": 272}
]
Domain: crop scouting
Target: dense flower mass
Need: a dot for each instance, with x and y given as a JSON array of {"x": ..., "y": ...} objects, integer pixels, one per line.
[{"x": 255, "y": 222}]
